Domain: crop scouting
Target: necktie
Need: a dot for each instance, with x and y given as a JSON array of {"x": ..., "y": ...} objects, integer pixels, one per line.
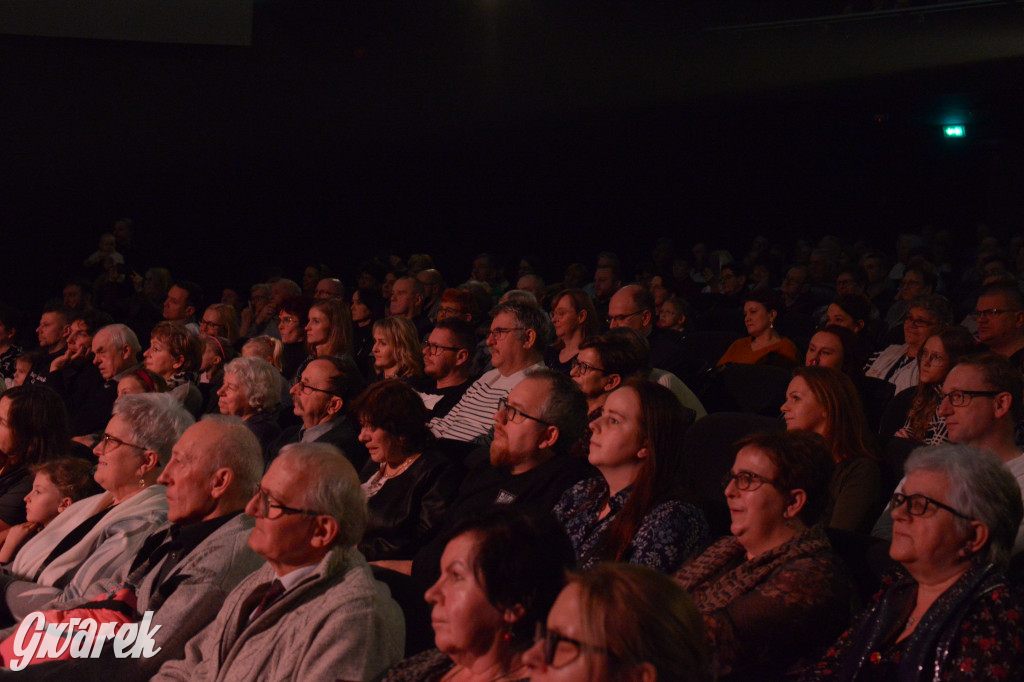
[{"x": 275, "y": 590}]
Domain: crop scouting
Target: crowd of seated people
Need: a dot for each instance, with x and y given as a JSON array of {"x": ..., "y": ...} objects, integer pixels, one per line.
[{"x": 392, "y": 474}]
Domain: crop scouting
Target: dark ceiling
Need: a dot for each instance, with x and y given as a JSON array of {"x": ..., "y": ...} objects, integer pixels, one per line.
[{"x": 524, "y": 127}]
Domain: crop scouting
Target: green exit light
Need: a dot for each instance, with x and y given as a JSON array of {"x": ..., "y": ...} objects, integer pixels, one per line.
[{"x": 954, "y": 131}]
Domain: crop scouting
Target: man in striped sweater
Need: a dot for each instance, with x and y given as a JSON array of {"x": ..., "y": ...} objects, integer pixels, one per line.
[{"x": 516, "y": 340}]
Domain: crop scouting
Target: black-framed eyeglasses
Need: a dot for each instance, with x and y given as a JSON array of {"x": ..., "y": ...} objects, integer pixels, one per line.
[
  {"x": 959, "y": 398},
  {"x": 265, "y": 505},
  {"x": 990, "y": 312},
  {"x": 215, "y": 325},
  {"x": 919, "y": 322},
  {"x": 622, "y": 318},
  {"x": 436, "y": 348},
  {"x": 747, "y": 480},
  {"x": 107, "y": 438},
  {"x": 306, "y": 389},
  {"x": 582, "y": 368},
  {"x": 918, "y": 505},
  {"x": 565, "y": 649},
  {"x": 498, "y": 332},
  {"x": 516, "y": 416}
]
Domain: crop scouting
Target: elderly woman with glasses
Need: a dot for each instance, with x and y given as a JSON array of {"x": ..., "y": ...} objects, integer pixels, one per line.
[
  {"x": 500, "y": 573},
  {"x": 897, "y": 363},
  {"x": 773, "y": 594},
  {"x": 620, "y": 623},
  {"x": 951, "y": 614},
  {"x": 90, "y": 541}
]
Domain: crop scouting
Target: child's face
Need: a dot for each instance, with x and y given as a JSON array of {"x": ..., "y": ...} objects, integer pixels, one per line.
[
  {"x": 107, "y": 243},
  {"x": 129, "y": 386},
  {"x": 21, "y": 370},
  {"x": 44, "y": 501}
]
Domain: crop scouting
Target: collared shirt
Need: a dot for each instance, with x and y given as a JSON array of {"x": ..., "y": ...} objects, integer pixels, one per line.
[
  {"x": 313, "y": 432},
  {"x": 174, "y": 542}
]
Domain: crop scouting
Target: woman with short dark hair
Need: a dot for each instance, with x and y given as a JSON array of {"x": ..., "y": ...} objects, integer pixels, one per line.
[
  {"x": 500, "y": 573},
  {"x": 408, "y": 485},
  {"x": 772, "y": 594}
]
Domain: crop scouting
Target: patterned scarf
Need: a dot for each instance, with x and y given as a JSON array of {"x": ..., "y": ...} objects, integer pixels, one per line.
[{"x": 710, "y": 591}]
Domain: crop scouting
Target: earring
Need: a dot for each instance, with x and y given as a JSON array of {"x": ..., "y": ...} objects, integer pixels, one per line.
[
  {"x": 142, "y": 483},
  {"x": 508, "y": 636}
]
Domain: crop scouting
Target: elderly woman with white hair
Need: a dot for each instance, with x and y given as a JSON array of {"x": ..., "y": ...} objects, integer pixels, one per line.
[
  {"x": 252, "y": 391},
  {"x": 93, "y": 538},
  {"x": 951, "y": 615}
]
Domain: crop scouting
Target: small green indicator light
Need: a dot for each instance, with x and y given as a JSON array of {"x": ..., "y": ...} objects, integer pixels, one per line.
[{"x": 954, "y": 131}]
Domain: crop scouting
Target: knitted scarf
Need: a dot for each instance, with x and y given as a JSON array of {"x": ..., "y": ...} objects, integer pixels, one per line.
[{"x": 710, "y": 591}]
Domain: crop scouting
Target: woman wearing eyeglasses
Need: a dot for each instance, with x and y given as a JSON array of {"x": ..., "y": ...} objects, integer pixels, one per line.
[
  {"x": 912, "y": 413},
  {"x": 772, "y": 595},
  {"x": 408, "y": 485},
  {"x": 897, "y": 363},
  {"x": 633, "y": 511},
  {"x": 500, "y": 573},
  {"x": 575, "y": 320},
  {"x": 951, "y": 615},
  {"x": 619, "y": 623},
  {"x": 292, "y": 318}
]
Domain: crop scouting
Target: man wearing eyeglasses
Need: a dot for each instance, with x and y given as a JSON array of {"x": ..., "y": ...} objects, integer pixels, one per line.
[
  {"x": 633, "y": 306},
  {"x": 320, "y": 400},
  {"x": 516, "y": 341},
  {"x": 314, "y": 610},
  {"x": 529, "y": 464},
  {"x": 1000, "y": 316},
  {"x": 981, "y": 404},
  {"x": 447, "y": 362}
]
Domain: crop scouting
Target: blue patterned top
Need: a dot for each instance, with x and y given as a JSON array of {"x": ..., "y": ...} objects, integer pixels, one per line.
[{"x": 670, "y": 533}]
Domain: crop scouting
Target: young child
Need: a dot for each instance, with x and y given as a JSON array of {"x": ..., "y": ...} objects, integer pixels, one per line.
[
  {"x": 107, "y": 249},
  {"x": 22, "y": 368},
  {"x": 57, "y": 485}
]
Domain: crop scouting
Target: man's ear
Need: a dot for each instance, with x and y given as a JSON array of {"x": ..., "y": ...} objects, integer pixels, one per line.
[
  {"x": 325, "y": 530},
  {"x": 549, "y": 438},
  {"x": 190, "y": 311},
  {"x": 221, "y": 482},
  {"x": 613, "y": 382},
  {"x": 531, "y": 339},
  {"x": 462, "y": 357},
  {"x": 334, "y": 405},
  {"x": 1001, "y": 404},
  {"x": 645, "y": 318}
]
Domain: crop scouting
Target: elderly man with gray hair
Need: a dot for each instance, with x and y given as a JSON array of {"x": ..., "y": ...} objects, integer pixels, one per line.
[{"x": 313, "y": 611}]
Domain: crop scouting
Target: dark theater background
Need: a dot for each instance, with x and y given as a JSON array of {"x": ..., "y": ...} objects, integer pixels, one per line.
[{"x": 455, "y": 126}]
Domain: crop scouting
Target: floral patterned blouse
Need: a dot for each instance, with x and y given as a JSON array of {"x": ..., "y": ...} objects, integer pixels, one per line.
[
  {"x": 669, "y": 534},
  {"x": 974, "y": 631}
]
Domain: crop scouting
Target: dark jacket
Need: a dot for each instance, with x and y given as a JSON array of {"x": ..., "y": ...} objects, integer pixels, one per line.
[
  {"x": 405, "y": 512},
  {"x": 341, "y": 435}
]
